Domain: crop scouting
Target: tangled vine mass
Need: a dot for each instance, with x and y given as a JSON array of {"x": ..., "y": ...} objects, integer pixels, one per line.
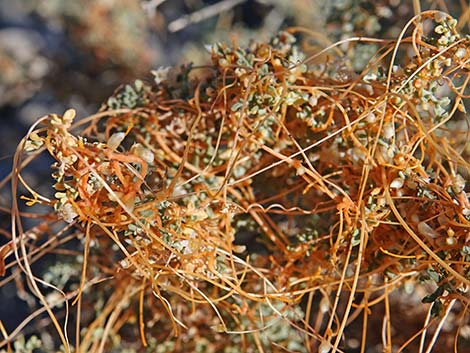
[{"x": 275, "y": 200}]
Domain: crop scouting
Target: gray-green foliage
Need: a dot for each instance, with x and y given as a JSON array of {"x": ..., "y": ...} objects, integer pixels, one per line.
[
  {"x": 131, "y": 96},
  {"x": 23, "y": 345}
]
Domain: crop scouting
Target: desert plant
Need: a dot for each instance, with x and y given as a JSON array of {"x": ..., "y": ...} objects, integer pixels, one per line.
[{"x": 267, "y": 201}]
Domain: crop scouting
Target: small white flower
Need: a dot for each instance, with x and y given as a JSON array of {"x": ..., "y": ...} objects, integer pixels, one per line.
[{"x": 115, "y": 140}]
